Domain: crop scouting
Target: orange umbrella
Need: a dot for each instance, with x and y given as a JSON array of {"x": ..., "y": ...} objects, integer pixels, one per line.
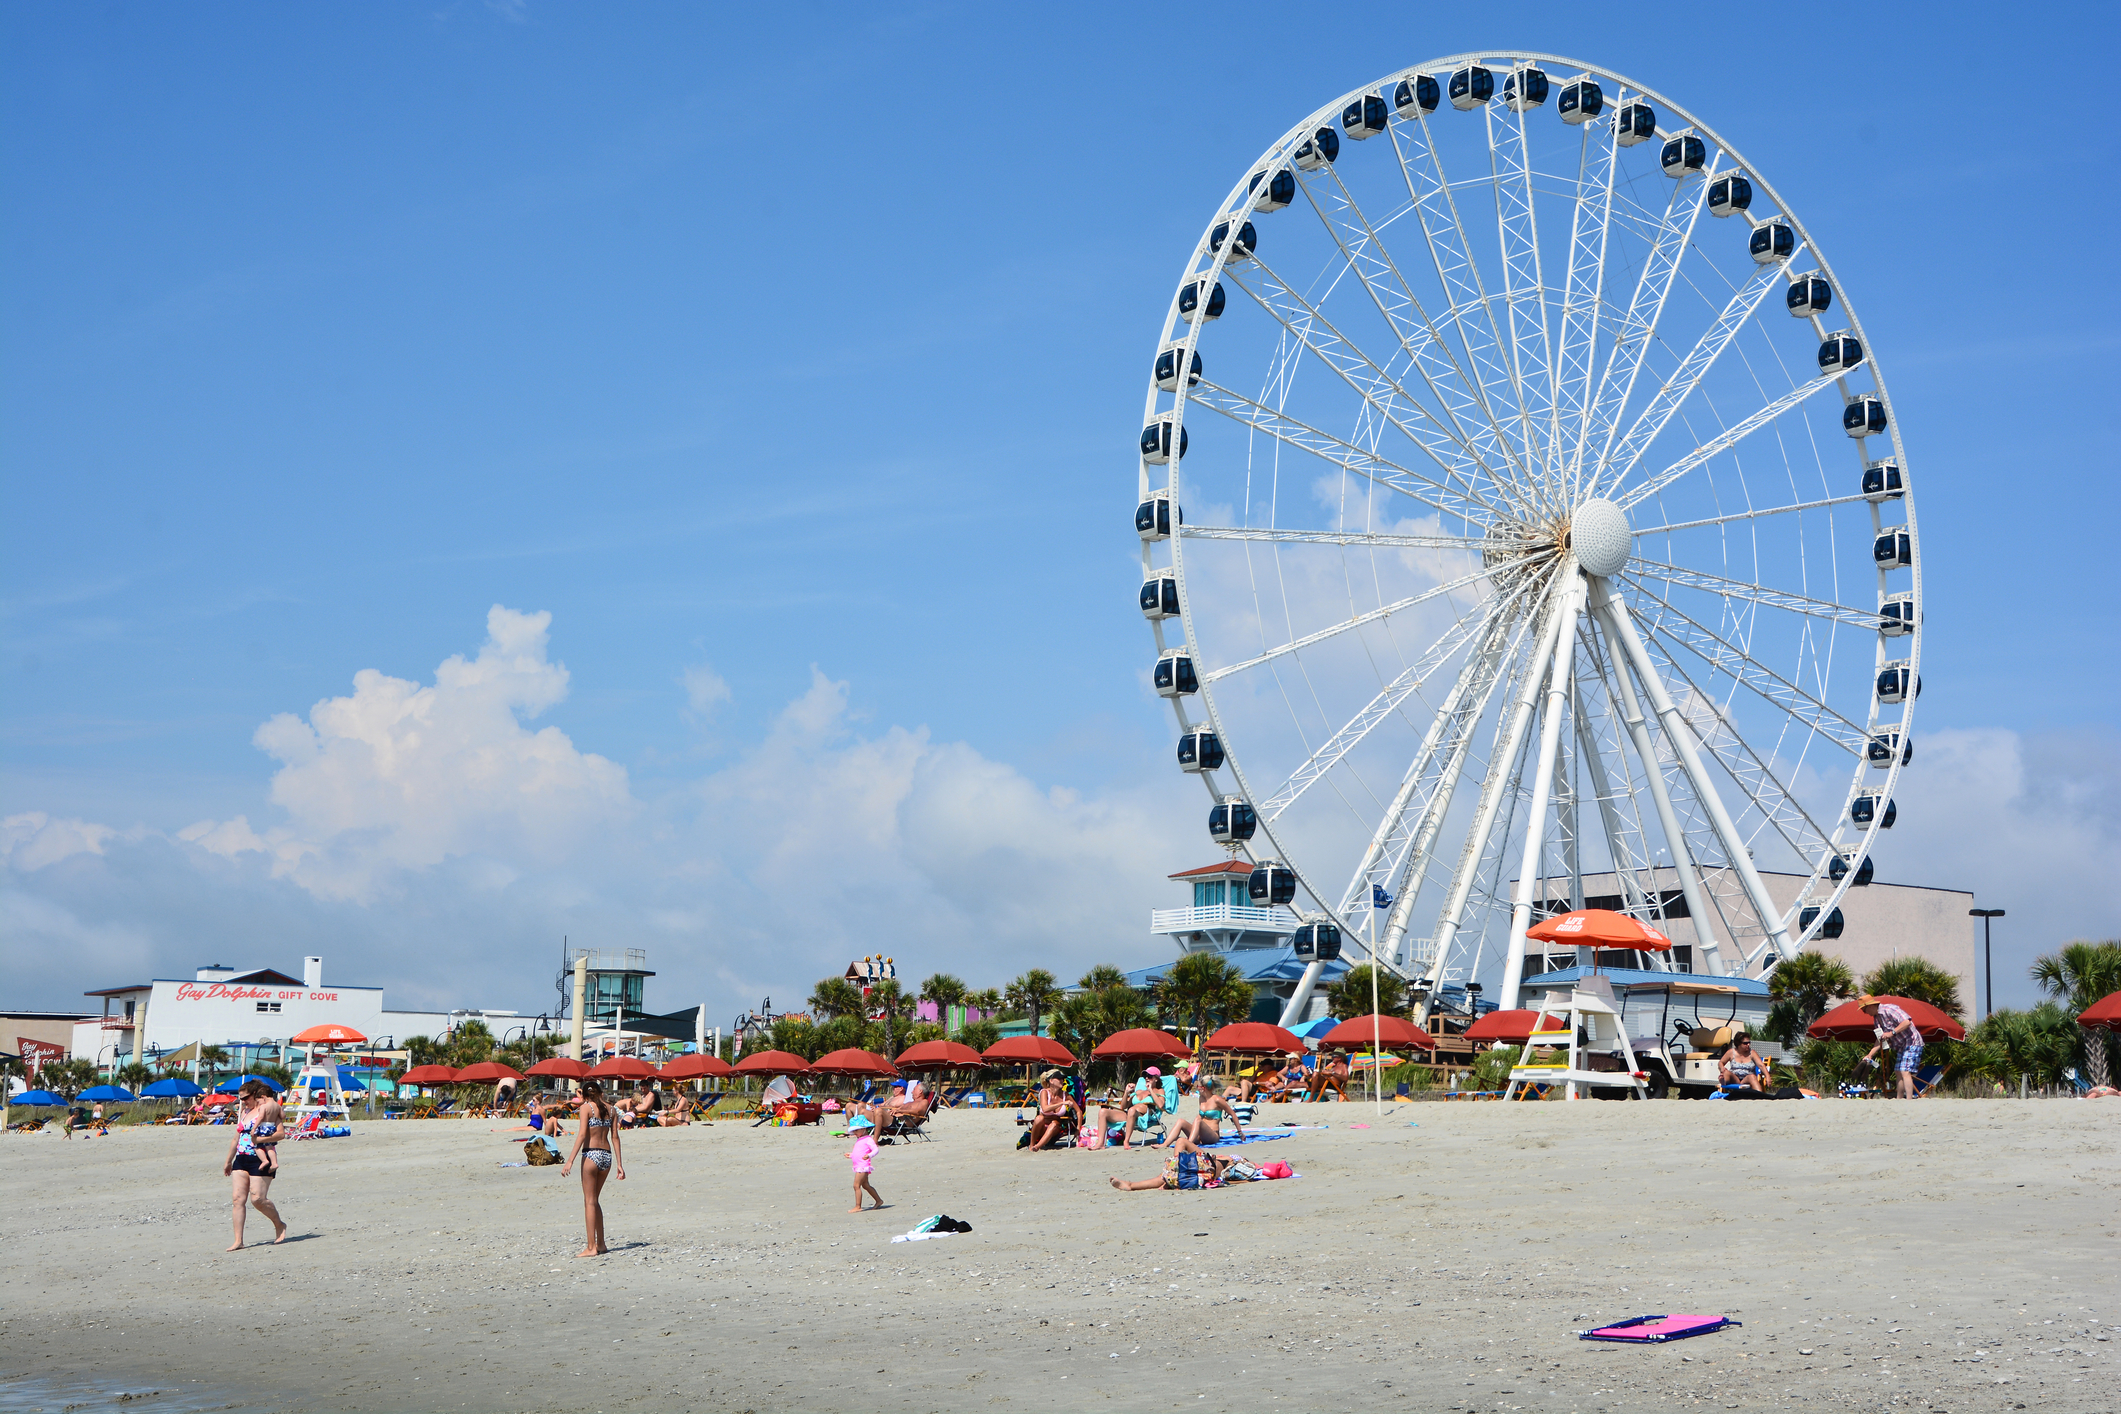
[
  {"x": 1029, "y": 1050},
  {"x": 852, "y": 1061},
  {"x": 693, "y": 1067},
  {"x": 1503, "y": 1026},
  {"x": 1143, "y": 1043},
  {"x": 1383, "y": 1030},
  {"x": 487, "y": 1073},
  {"x": 329, "y": 1031},
  {"x": 2103, "y": 1014},
  {"x": 625, "y": 1068},
  {"x": 1850, "y": 1022},
  {"x": 771, "y": 1063},
  {"x": 1255, "y": 1038},
  {"x": 1600, "y": 927},
  {"x": 938, "y": 1055},
  {"x": 565, "y": 1067},
  {"x": 429, "y": 1075}
]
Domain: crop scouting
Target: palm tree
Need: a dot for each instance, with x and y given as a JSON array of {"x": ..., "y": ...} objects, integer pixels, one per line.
[
  {"x": 471, "y": 1042},
  {"x": 133, "y": 1075},
  {"x": 896, "y": 1007},
  {"x": 1915, "y": 977},
  {"x": 1202, "y": 985},
  {"x": 69, "y": 1077},
  {"x": 211, "y": 1059},
  {"x": 1350, "y": 996},
  {"x": 1102, "y": 976},
  {"x": 943, "y": 991},
  {"x": 2078, "y": 975},
  {"x": 1803, "y": 988},
  {"x": 836, "y": 997},
  {"x": 1031, "y": 992},
  {"x": 2037, "y": 1045},
  {"x": 987, "y": 1002}
]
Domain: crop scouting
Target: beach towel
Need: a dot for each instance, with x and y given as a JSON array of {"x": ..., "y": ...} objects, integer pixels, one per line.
[{"x": 1231, "y": 1141}]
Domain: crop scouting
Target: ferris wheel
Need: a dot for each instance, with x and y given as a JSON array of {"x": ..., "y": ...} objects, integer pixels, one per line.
[{"x": 1521, "y": 504}]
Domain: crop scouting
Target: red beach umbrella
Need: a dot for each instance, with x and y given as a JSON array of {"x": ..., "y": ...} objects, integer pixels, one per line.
[
  {"x": 329, "y": 1031},
  {"x": 1029, "y": 1050},
  {"x": 625, "y": 1068},
  {"x": 1850, "y": 1022},
  {"x": 487, "y": 1073},
  {"x": 694, "y": 1067},
  {"x": 565, "y": 1067},
  {"x": 2104, "y": 1014},
  {"x": 852, "y": 1061},
  {"x": 1503, "y": 1026},
  {"x": 1145, "y": 1043},
  {"x": 1255, "y": 1038},
  {"x": 938, "y": 1055},
  {"x": 1600, "y": 927},
  {"x": 771, "y": 1063},
  {"x": 1386, "y": 1031},
  {"x": 429, "y": 1075}
]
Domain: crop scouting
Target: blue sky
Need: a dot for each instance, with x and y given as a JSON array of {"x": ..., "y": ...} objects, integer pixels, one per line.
[{"x": 789, "y": 358}]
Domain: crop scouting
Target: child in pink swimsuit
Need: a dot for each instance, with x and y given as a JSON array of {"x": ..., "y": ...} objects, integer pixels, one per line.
[{"x": 863, "y": 1157}]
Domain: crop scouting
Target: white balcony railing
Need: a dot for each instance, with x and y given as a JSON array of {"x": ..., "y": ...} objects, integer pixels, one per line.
[{"x": 1221, "y": 915}]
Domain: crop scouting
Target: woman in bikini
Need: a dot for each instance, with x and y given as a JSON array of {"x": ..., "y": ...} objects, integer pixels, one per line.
[
  {"x": 1207, "y": 1127},
  {"x": 250, "y": 1160},
  {"x": 596, "y": 1144}
]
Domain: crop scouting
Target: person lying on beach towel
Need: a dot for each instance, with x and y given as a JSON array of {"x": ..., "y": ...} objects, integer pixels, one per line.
[{"x": 1188, "y": 1168}]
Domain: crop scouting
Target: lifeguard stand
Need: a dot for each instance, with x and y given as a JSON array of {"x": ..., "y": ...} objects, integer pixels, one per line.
[{"x": 1580, "y": 1026}]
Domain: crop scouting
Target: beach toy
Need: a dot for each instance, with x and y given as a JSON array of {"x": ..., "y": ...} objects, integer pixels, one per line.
[{"x": 1650, "y": 1330}]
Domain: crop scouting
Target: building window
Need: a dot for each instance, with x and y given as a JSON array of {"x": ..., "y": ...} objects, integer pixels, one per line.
[
  {"x": 1208, "y": 895},
  {"x": 268, "y": 1006}
]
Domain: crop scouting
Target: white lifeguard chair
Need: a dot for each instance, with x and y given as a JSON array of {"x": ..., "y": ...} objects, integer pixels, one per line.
[
  {"x": 316, "y": 1077},
  {"x": 1585, "y": 1025}
]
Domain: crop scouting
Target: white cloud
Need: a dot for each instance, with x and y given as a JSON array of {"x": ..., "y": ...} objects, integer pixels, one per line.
[
  {"x": 704, "y": 691},
  {"x": 401, "y": 777},
  {"x": 33, "y": 840}
]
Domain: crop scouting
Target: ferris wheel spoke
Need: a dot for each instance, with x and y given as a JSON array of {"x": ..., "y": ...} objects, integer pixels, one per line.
[
  {"x": 1637, "y": 328},
  {"x": 1583, "y": 297},
  {"x": 1380, "y": 391},
  {"x": 1386, "y": 611},
  {"x": 1725, "y": 440},
  {"x": 1332, "y": 537},
  {"x": 1728, "y": 658},
  {"x": 1763, "y": 787},
  {"x": 1614, "y": 466},
  {"x": 1470, "y": 625},
  {"x": 1363, "y": 248},
  {"x": 1523, "y": 293},
  {"x": 1760, "y": 594},
  {"x": 1760, "y": 514},
  {"x": 1451, "y": 253},
  {"x": 1445, "y": 501}
]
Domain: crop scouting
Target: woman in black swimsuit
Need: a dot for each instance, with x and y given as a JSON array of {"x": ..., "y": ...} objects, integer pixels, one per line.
[
  {"x": 596, "y": 1144},
  {"x": 250, "y": 1158}
]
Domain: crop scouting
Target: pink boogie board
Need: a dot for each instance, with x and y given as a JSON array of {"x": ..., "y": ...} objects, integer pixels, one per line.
[{"x": 1648, "y": 1330}]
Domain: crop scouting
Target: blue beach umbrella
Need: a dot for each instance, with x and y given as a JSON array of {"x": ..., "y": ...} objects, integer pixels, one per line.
[
  {"x": 1317, "y": 1028},
  {"x": 109, "y": 1094},
  {"x": 36, "y": 1097},
  {"x": 234, "y": 1083},
  {"x": 174, "y": 1088}
]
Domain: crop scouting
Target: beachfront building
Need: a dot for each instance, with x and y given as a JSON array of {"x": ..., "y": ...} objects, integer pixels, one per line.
[
  {"x": 1219, "y": 918},
  {"x": 246, "y": 1007},
  {"x": 1879, "y": 922}
]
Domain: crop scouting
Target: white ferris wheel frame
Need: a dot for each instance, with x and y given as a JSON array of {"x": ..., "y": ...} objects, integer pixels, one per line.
[{"x": 1586, "y": 599}]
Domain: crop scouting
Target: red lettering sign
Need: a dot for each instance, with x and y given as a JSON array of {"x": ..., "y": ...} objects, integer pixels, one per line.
[
  {"x": 221, "y": 991},
  {"x": 38, "y": 1052}
]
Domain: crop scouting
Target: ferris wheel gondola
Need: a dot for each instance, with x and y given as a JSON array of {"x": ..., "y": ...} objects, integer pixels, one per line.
[{"x": 1524, "y": 552}]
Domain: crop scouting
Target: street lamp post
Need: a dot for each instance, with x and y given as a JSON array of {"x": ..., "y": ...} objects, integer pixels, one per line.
[{"x": 1988, "y": 961}]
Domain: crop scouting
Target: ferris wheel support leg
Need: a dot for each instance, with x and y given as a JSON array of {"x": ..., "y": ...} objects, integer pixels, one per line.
[
  {"x": 1304, "y": 987},
  {"x": 1535, "y": 836},
  {"x": 1609, "y": 820},
  {"x": 1697, "y": 903},
  {"x": 1681, "y": 736},
  {"x": 1490, "y": 801}
]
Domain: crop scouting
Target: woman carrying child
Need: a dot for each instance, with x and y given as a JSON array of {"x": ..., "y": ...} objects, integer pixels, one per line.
[{"x": 252, "y": 1160}]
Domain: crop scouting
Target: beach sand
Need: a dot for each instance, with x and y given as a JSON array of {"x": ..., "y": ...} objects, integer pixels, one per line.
[{"x": 1950, "y": 1255}]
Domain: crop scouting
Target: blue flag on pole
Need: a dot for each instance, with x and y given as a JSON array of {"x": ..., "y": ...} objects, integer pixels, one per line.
[{"x": 1379, "y": 897}]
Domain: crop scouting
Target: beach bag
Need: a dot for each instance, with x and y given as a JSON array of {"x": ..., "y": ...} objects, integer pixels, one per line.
[
  {"x": 1185, "y": 1168},
  {"x": 1245, "y": 1170},
  {"x": 538, "y": 1151},
  {"x": 1277, "y": 1169}
]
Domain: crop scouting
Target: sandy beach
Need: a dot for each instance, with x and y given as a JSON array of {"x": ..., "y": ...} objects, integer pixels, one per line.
[{"x": 1945, "y": 1255}]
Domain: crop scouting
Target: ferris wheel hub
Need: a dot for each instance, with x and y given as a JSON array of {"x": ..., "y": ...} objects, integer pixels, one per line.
[{"x": 1600, "y": 536}]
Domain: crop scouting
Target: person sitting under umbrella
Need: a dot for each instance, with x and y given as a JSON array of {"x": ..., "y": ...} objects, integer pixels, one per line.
[
  {"x": 1332, "y": 1075},
  {"x": 1290, "y": 1079},
  {"x": 1054, "y": 1112}
]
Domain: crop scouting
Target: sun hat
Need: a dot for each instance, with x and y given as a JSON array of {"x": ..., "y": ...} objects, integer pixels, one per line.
[
  {"x": 861, "y": 1123},
  {"x": 1153, "y": 1071},
  {"x": 1868, "y": 1002}
]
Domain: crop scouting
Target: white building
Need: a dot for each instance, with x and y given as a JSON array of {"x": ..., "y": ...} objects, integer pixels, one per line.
[{"x": 222, "y": 1006}]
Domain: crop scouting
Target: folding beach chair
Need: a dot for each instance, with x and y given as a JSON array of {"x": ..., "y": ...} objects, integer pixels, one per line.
[{"x": 910, "y": 1124}]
